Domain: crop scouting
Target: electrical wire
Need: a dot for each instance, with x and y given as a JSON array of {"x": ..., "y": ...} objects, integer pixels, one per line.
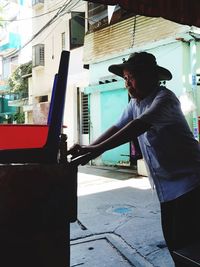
[
  {"x": 45, "y": 37},
  {"x": 34, "y": 17},
  {"x": 52, "y": 20},
  {"x": 59, "y": 23},
  {"x": 37, "y": 16},
  {"x": 68, "y": 11}
]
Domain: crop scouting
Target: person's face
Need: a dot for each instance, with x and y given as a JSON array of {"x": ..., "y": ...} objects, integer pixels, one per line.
[
  {"x": 130, "y": 83},
  {"x": 138, "y": 85}
]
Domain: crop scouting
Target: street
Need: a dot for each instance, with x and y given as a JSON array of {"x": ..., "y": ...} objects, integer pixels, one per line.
[{"x": 118, "y": 221}]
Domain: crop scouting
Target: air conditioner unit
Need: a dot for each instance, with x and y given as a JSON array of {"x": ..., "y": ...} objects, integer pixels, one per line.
[{"x": 38, "y": 55}]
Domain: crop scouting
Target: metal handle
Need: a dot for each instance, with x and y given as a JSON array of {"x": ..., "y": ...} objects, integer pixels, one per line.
[{"x": 81, "y": 160}]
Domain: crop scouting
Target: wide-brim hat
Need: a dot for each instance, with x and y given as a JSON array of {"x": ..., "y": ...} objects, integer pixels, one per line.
[{"x": 141, "y": 62}]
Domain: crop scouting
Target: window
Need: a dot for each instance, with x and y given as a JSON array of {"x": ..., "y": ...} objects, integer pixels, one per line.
[
  {"x": 35, "y": 2},
  {"x": 13, "y": 63},
  {"x": 98, "y": 16},
  {"x": 63, "y": 40},
  {"x": 43, "y": 98},
  {"x": 38, "y": 55},
  {"x": 77, "y": 29},
  {"x": 14, "y": 59},
  {"x": 84, "y": 114}
]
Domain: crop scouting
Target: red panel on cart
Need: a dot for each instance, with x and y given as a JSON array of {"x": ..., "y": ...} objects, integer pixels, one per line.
[{"x": 23, "y": 136}]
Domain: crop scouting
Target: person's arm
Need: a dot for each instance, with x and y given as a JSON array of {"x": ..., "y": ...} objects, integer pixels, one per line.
[
  {"x": 108, "y": 133},
  {"x": 126, "y": 134},
  {"x": 126, "y": 116},
  {"x": 112, "y": 138},
  {"x": 76, "y": 148}
]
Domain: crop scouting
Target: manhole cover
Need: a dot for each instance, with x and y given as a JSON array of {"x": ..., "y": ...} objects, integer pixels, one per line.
[{"x": 121, "y": 209}]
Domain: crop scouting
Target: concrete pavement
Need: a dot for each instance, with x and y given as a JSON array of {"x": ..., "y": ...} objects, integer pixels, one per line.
[{"x": 118, "y": 221}]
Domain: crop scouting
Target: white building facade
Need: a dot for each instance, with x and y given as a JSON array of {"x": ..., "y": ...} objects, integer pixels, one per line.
[
  {"x": 57, "y": 25},
  {"x": 15, "y": 49}
]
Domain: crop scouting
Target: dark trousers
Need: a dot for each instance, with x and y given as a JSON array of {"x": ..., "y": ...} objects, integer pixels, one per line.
[{"x": 181, "y": 220}]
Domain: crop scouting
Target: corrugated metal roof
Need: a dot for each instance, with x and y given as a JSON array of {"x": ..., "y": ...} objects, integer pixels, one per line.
[
  {"x": 181, "y": 11},
  {"x": 121, "y": 36}
]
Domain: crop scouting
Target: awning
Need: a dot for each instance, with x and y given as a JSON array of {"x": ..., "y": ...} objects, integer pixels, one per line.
[{"x": 180, "y": 11}]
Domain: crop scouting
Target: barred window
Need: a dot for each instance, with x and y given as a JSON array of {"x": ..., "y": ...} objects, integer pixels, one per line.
[
  {"x": 38, "y": 55},
  {"x": 84, "y": 114}
]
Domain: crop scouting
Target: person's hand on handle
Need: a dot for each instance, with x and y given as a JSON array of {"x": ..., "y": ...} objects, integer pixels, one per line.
[
  {"x": 84, "y": 153},
  {"x": 75, "y": 150}
]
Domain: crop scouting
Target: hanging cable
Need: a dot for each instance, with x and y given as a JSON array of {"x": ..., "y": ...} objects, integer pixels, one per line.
[
  {"x": 34, "y": 17},
  {"x": 134, "y": 29},
  {"x": 58, "y": 14}
]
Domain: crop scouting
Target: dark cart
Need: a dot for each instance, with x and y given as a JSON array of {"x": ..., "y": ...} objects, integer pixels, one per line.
[
  {"x": 37, "y": 204},
  {"x": 188, "y": 256},
  {"x": 38, "y": 197}
]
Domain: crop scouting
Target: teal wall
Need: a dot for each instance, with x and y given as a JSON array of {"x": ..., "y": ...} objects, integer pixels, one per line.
[
  {"x": 107, "y": 101},
  {"x": 112, "y": 104},
  {"x": 6, "y": 110}
]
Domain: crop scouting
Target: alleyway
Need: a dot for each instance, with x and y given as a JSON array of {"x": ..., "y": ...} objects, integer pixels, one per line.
[{"x": 118, "y": 221}]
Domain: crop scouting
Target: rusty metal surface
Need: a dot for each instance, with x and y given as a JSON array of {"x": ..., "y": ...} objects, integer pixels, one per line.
[
  {"x": 116, "y": 38},
  {"x": 181, "y": 11}
]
